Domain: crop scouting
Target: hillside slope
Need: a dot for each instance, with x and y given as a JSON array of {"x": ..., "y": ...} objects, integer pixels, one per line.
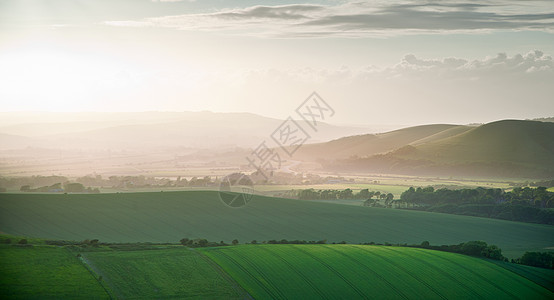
[
  {"x": 367, "y": 272},
  {"x": 171, "y": 216},
  {"x": 519, "y": 142},
  {"x": 508, "y": 148},
  {"x": 370, "y": 144}
]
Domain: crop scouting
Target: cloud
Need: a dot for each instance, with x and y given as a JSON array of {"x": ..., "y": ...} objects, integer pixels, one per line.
[
  {"x": 364, "y": 18},
  {"x": 171, "y": 0},
  {"x": 534, "y": 62},
  {"x": 284, "y": 12},
  {"x": 532, "y": 66}
]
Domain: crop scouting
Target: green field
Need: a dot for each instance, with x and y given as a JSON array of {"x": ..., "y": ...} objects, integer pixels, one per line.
[
  {"x": 168, "y": 273},
  {"x": 355, "y": 272},
  {"x": 170, "y": 216},
  {"x": 45, "y": 272},
  {"x": 543, "y": 277},
  {"x": 261, "y": 272}
]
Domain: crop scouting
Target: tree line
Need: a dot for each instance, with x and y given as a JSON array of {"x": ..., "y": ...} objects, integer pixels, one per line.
[
  {"x": 533, "y": 205},
  {"x": 67, "y": 187},
  {"x": 312, "y": 194}
]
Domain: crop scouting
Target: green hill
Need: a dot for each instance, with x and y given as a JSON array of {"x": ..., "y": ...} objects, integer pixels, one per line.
[
  {"x": 369, "y": 144},
  {"x": 362, "y": 272},
  {"x": 511, "y": 141},
  {"x": 171, "y": 216},
  {"x": 508, "y": 149},
  {"x": 260, "y": 271}
]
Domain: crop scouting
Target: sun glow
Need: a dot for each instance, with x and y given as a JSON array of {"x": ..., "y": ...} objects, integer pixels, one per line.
[{"x": 45, "y": 79}]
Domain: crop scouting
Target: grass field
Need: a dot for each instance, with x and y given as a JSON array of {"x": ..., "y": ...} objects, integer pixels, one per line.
[
  {"x": 177, "y": 273},
  {"x": 543, "y": 277},
  {"x": 45, "y": 272},
  {"x": 262, "y": 272},
  {"x": 356, "y": 272},
  {"x": 170, "y": 216}
]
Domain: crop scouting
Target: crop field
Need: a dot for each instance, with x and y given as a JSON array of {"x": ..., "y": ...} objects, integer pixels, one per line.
[
  {"x": 45, "y": 272},
  {"x": 543, "y": 277},
  {"x": 355, "y": 272},
  {"x": 261, "y": 272},
  {"x": 169, "y": 273},
  {"x": 171, "y": 216}
]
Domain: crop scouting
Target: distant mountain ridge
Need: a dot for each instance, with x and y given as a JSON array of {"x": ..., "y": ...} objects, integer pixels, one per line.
[{"x": 147, "y": 130}]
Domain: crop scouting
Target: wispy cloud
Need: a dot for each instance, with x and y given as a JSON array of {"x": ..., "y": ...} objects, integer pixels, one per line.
[
  {"x": 532, "y": 65},
  {"x": 364, "y": 18}
]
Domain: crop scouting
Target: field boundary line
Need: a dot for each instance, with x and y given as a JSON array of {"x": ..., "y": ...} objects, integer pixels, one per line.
[
  {"x": 96, "y": 275},
  {"x": 306, "y": 278},
  {"x": 278, "y": 291},
  {"x": 445, "y": 274},
  {"x": 232, "y": 260},
  {"x": 358, "y": 291},
  {"x": 238, "y": 288}
]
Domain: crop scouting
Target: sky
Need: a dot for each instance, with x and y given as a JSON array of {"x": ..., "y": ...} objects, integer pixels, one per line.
[{"x": 374, "y": 62}]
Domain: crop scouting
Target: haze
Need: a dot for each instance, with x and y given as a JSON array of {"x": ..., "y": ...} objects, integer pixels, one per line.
[{"x": 392, "y": 62}]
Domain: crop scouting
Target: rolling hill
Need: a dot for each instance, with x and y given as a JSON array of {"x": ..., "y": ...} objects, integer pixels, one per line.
[
  {"x": 366, "y": 272},
  {"x": 171, "y": 216},
  {"x": 147, "y": 130},
  {"x": 370, "y": 144},
  {"x": 133, "y": 271},
  {"x": 508, "y": 149}
]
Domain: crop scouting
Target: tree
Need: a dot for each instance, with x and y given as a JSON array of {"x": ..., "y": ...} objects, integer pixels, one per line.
[
  {"x": 25, "y": 188},
  {"x": 493, "y": 252},
  {"x": 474, "y": 248},
  {"x": 538, "y": 259},
  {"x": 203, "y": 242},
  {"x": 364, "y": 194},
  {"x": 185, "y": 241},
  {"x": 235, "y": 242},
  {"x": 22, "y": 242},
  {"x": 425, "y": 244}
]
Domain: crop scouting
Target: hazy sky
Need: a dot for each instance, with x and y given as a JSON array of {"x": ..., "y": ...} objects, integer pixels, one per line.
[{"x": 394, "y": 62}]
